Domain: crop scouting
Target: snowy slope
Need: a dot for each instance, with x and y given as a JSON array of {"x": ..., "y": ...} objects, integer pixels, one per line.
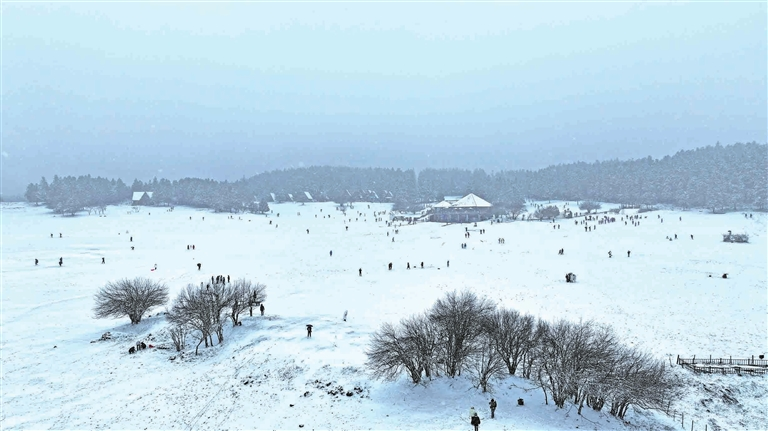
[{"x": 660, "y": 298}]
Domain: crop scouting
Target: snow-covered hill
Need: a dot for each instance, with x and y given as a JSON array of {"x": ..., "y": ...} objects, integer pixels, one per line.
[{"x": 268, "y": 375}]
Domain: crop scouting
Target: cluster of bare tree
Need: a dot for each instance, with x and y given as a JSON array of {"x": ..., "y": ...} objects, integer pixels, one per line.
[
  {"x": 197, "y": 310},
  {"x": 462, "y": 332},
  {"x": 203, "y": 310}
]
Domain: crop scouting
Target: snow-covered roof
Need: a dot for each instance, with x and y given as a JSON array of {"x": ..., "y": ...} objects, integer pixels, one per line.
[
  {"x": 472, "y": 201},
  {"x": 138, "y": 195},
  {"x": 443, "y": 204},
  {"x": 308, "y": 195},
  {"x": 274, "y": 199},
  {"x": 452, "y": 199}
]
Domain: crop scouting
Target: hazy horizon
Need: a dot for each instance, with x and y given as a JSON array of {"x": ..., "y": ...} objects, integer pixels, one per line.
[{"x": 229, "y": 90}]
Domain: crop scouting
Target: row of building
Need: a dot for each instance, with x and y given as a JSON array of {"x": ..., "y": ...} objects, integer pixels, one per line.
[{"x": 454, "y": 209}]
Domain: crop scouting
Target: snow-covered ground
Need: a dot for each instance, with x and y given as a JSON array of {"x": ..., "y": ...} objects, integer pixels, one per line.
[{"x": 268, "y": 375}]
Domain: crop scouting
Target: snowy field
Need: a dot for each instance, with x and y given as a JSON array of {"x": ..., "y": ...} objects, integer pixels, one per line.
[{"x": 268, "y": 375}]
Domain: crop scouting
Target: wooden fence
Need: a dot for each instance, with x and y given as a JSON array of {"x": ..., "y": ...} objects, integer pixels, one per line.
[{"x": 724, "y": 365}]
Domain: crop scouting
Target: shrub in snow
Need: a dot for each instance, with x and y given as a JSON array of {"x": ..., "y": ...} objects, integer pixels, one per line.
[
  {"x": 130, "y": 298},
  {"x": 589, "y": 206},
  {"x": 546, "y": 212},
  {"x": 735, "y": 237}
]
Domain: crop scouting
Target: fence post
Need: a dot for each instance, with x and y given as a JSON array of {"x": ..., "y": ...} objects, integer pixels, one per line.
[
  {"x": 678, "y": 360},
  {"x": 691, "y": 424},
  {"x": 682, "y": 420},
  {"x": 729, "y": 360}
]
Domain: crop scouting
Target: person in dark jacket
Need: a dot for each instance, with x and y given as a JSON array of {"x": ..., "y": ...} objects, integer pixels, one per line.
[
  {"x": 475, "y": 421},
  {"x": 493, "y": 407},
  {"x": 261, "y": 307},
  {"x": 36, "y": 261},
  {"x": 309, "y": 331}
]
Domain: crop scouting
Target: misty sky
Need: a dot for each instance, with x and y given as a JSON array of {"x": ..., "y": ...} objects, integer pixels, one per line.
[{"x": 137, "y": 90}]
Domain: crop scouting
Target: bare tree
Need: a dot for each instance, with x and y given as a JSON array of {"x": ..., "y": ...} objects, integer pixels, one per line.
[
  {"x": 589, "y": 206},
  {"x": 565, "y": 357},
  {"x": 179, "y": 336},
  {"x": 420, "y": 336},
  {"x": 410, "y": 346},
  {"x": 511, "y": 334},
  {"x": 192, "y": 307},
  {"x": 219, "y": 297},
  {"x": 485, "y": 362},
  {"x": 130, "y": 298},
  {"x": 517, "y": 208},
  {"x": 527, "y": 364},
  {"x": 245, "y": 295},
  {"x": 458, "y": 319},
  {"x": 594, "y": 362},
  {"x": 641, "y": 380},
  {"x": 389, "y": 354}
]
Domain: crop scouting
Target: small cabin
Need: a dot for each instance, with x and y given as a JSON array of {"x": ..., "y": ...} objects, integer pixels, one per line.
[{"x": 142, "y": 198}]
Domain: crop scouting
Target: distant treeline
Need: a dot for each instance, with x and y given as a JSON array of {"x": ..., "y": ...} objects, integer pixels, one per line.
[{"x": 715, "y": 177}]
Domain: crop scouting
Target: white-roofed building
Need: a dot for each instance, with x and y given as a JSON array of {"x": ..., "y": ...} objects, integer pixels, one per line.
[
  {"x": 142, "y": 198},
  {"x": 470, "y": 208}
]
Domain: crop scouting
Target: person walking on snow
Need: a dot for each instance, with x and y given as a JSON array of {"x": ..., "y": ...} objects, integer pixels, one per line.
[
  {"x": 261, "y": 307},
  {"x": 309, "y": 331},
  {"x": 493, "y": 407},
  {"x": 474, "y": 419}
]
